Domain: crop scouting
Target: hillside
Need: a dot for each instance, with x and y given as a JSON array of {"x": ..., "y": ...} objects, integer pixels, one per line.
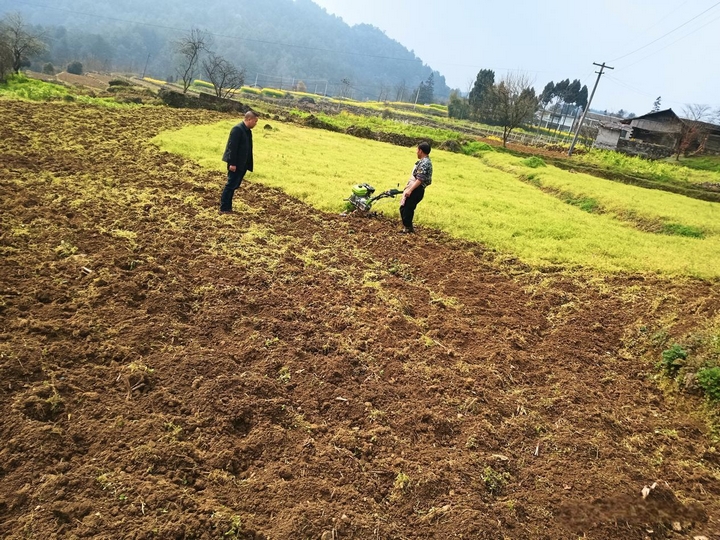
[
  {"x": 276, "y": 41},
  {"x": 286, "y": 373}
]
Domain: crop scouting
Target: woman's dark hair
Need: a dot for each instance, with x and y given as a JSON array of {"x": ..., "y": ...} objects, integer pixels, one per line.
[{"x": 425, "y": 147}]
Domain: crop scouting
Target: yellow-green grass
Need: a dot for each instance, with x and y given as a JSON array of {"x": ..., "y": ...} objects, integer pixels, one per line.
[
  {"x": 662, "y": 170},
  {"x": 622, "y": 201},
  {"x": 474, "y": 200},
  {"x": 344, "y": 120}
]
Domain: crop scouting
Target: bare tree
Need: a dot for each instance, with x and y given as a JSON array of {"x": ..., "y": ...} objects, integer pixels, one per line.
[
  {"x": 400, "y": 90},
  {"x": 19, "y": 41},
  {"x": 190, "y": 48},
  {"x": 694, "y": 131},
  {"x": 224, "y": 77},
  {"x": 345, "y": 88},
  {"x": 5, "y": 60},
  {"x": 697, "y": 112},
  {"x": 513, "y": 103},
  {"x": 384, "y": 92}
]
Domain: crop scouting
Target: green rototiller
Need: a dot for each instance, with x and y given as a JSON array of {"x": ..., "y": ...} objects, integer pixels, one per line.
[{"x": 362, "y": 198}]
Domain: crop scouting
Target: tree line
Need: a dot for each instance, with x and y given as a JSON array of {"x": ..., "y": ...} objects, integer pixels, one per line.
[{"x": 275, "y": 40}]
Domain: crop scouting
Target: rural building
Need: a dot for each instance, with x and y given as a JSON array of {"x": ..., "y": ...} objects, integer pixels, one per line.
[
  {"x": 609, "y": 134},
  {"x": 659, "y": 134}
]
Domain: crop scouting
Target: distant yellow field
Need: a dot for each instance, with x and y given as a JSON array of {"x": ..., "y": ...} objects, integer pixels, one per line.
[{"x": 496, "y": 200}]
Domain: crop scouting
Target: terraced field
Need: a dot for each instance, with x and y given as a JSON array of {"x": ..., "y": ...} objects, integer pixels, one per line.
[{"x": 168, "y": 372}]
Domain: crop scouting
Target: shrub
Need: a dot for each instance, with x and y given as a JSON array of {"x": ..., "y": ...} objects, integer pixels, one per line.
[
  {"x": 118, "y": 82},
  {"x": 709, "y": 380},
  {"x": 76, "y": 68},
  {"x": 476, "y": 147},
  {"x": 48, "y": 69},
  {"x": 533, "y": 162},
  {"x": 673, "y": 359}
]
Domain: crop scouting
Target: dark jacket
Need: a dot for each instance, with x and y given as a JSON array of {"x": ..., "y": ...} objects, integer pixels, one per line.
[{"x": 238, "y": 150}]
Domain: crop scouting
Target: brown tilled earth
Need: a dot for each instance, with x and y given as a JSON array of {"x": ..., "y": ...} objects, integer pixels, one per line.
[{"x": 167, "y": 372}]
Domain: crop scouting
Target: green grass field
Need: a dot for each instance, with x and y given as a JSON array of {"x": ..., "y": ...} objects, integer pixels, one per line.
[
  {"x": 497, "y": 200},
  {"x": 24, "y": 88}
]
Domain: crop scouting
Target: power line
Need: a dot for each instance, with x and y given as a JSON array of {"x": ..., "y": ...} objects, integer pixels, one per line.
[
  {"x": 666, "y": 34},
  {"x": 670, "y": 44},
  {"x": 642, "y": 92},
  {"x": 642, "y": 33}
]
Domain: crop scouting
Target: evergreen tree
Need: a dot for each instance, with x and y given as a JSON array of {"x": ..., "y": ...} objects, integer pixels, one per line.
[
  {"x": 426, "y": 92},
  {"x": 458, "y": 106},
  {"x": 481, "y": 94},
  {"x": 582, "y": 98},
  {"x": 656, "y": 104}
]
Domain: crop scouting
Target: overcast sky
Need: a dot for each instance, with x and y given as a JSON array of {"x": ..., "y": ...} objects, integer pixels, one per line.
[{"x": 667, "y": 48}]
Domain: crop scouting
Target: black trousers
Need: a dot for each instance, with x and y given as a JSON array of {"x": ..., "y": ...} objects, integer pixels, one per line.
[
  {"x": 233, "y": 182},
  {"x": 407, "y": 211}
]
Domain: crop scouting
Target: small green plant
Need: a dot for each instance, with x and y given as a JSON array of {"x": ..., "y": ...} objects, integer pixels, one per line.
[
  {"x": 402, "y": 481},
  {"x": 174, "y": 431},
  {"x": 709, "y": 380},
  {"x": 235, "y": 529},
  {"x": 65, "y": 250},
  {"x": 494, "y": 481},
  {"x": 673, "y": 359},
  {"x": 284, "y": 375},
  {"x": 534, "y": 162}
]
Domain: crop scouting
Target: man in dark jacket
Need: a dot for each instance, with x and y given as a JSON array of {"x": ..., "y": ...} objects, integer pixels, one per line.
[{"x": 239, "y": 158}]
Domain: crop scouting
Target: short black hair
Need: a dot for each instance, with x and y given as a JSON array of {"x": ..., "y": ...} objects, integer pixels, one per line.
[
  {"x": 251, "y": 114},
  {"x": 425, "y": 147}
]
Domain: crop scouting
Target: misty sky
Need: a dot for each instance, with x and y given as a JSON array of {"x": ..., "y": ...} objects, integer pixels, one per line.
[{"x": 560, "y": 39}]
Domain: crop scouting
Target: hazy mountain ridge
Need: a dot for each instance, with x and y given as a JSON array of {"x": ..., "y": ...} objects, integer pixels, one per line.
[{"x": 276, "y": 41}]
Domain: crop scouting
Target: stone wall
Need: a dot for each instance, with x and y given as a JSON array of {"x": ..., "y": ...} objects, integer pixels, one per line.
[
  {"x": 645, "y": 150},
  {"x": 178, "y": 100}
]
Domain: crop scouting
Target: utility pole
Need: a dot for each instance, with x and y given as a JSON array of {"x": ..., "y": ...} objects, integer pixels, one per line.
[
  {"x": 582, "y": 118},
  {"x": 146, "y": 63}
]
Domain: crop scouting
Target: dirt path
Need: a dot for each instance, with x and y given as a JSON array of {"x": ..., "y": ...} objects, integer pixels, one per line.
[{"x": 171, "y": 373}]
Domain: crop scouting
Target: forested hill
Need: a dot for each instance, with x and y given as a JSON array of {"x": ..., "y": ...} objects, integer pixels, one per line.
[{"x": 275, "y": 41}]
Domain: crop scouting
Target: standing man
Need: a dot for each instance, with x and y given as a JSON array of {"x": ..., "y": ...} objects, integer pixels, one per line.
[
  {"x": 415, "y": 189},
  {"x": 239, "y": 158}
]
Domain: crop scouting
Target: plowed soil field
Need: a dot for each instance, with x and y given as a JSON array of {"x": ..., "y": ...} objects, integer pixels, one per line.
[{"x": 168, "y": 372}]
